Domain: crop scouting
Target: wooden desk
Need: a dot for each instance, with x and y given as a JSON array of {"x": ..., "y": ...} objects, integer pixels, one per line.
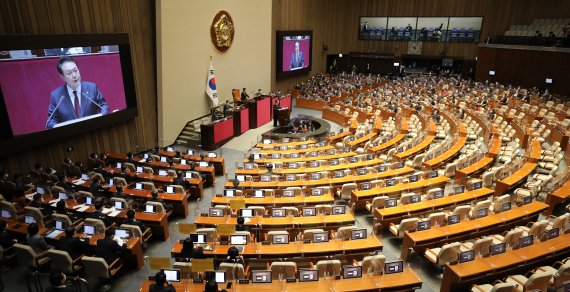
[
  {"x": 300, "y": 159},
  {"x": 310, "y": 103},
  {"x": 281, "y": 201},
  {"x": 460, "y": 277},
  {"x": 324, "y": 181},
  {"x": 405, "y": 281},
  {"x": 289, "y": 144},
  {"x": 492, "y": 224},
  {"x": 339, "y": 136},
  {"x": 388, "y": 143},
  {"x": 359, "y": 164},
  {"x": 288, "y": 151},
  {"x": 362, "y": 139},
  {"x": 534, "y": 155},
  {"x": 360, "y": 196},
  {"x": 284, "y": 222},
  {"x": 335, "y": 117},
  {"x": 447, "y": 155},
  {"x": 258, "y": 251},
  {"x": 474, "y": 168},
  {"x": 514, "y": 179},
  {"x": 418, "y": 148},
  {"x": 395, "y": 215},
  {"x": 557, "y": 197}
]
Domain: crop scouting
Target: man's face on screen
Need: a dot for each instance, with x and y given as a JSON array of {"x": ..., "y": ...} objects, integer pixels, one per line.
[
  {"x": 297, "y": 48},
  {"x": 71, "y": 74}
]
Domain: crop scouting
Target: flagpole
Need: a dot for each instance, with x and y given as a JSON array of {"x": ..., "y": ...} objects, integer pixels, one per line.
[{"x": 211, "y": 101}]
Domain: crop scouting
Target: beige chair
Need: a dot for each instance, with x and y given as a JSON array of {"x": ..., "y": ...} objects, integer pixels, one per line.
[
  {"x": 283, "y": 270},
  {"x": 442, "y": 255},
  {"x": 329, "y": 268},
  {"x": 324, "y": 209},
  {"x": 57, "y": 189},
  {"x": 158, "y": 205},
  {"x": 560, "y": 272},
  {"x": 345, "y": 232},
  {"x": 405, "y": 198},
  {"x": 129, "y": 166},
  {"x": 137, "y": 232},
  {"x": 120, "y": 181},
  {"x": 297, "y": 190},
  {"x": 67, "y": 220},
  {"x": 499, "y": 287},
  {"x": 405, "y": 225},
  {"x": 148, "y": 186},
  {"x": 98, "y": 223},
  {"x": 233, "y": 269},
  {"x": 148, "y": 170},
  {"x": 185, "y": 270},
  {"x": 115, "y": 199},
  {"x": 37, "y": 213},
  {"x": 432, "y": 192},
  {"x": 211, "y": 235},
  {"x": 536, "y": 229},
  {"x": 463, "y": 212},
  {"x": 480, "y": 246},
  {"x": 270, "y": 234},
  {"x": 309, "y": 233},
  {"x": 436, "y": 219},
  {"x": 561, "y": 222},
  {"x": 485, "y": 204},
  {"x": 246, "y": 233},
  {"x": 291, "y": 211},
  {"x": 498, "y": 203},
  {"x": 97, "y": 268},
  {"x": 511, "y": 238},
  {"x": 346, "y": 191},
  {"x": 26, "y": 256},
  {"x": 225, "y": 208},
  {"x": 178, "y": 189},
  {"x": 5, "y": 205},
  {"x": 536, "y": 281},
  {"x": 60, "y": 260},
  {"x": 257, "y": 210},
  {"x": 377, "y": 202},
  {"x": 373, "y": 264}
]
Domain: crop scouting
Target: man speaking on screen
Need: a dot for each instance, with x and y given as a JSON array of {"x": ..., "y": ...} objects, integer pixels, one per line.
[
  {"x": 75, "y": 99},
  {"x": 297, "y": 58}
]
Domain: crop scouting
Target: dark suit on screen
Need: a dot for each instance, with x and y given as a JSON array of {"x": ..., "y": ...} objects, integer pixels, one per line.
[
  {"x": 297, "y": 60},
  {"x": 89, "y": 97}
]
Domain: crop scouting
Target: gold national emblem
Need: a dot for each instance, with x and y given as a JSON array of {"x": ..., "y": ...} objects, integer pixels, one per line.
[{"x": 222, "y": 31}]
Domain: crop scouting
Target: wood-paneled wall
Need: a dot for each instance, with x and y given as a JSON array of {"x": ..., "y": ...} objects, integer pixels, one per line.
[
  {"x": 137, "y": 18},
  {"x": 335, "y": 23},
  {"x": 525, "y": 67}
]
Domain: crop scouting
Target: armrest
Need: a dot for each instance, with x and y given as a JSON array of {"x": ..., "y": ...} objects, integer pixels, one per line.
[
  {"x": 115, "y": 266},
  {"x": 497, "y": 282},
  {"x": 246, "y": 275},
  {"x": 515, "y": 279},
  {"x": 529, "y": 224},
  {"x": 78, "y": 258},
  {"x": 477, "y": 287}
]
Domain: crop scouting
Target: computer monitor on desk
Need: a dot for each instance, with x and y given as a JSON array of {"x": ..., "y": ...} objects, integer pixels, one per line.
[
  {"x": 526, "y": 241},
  {"x": 59, "y": 224},
  {"x": 198, "y": 238},
  {"x": 553, "y": 233},
  {"x": 140, "y": 169},
  {"x": 246, "y": 213},
  {"x": 203, "y": 164},
  {"x": 138, "y": 186},
  {"x": 496, "y": 249},
  {"x": 172, "y": 275},
  {"x": 288, "y": 193},
  {"x": 119, "y": 205},
  {"x": 309, "y": 211},
  {"x": 6, "y": 214},
  {"x": 162, "y": 172},
  {"x": 356, "y": 234},
  {"x": 261, "y": 276},
  {"x": 453, "y": 219},
  {"x": 423, "y": 225},
  {"x": 89, "y": 230},
  {"x": 280, "y": 239},
  {"x": 320, "y": 237},
  {"x": 238, "y": 240},
  {"x": 40, "y": 190},
  {"x": 62, "y": 196},
  {"x": 259, "y": 194},
  {"x": 308, "y": 275},
  {"x": 394, "y": 267},
  {"x": 230, "y": 193},
  {"x": 29, "y": 219},
  {"x": 278, "y": 212},
  {"x": 466, "y": 256},
  {"x": 122, "y": 233},
  {"x": 338, "y": 209},
  {"x": 216, "y": 212},
  {"x": 150, "y": 209},
  {"x": 350, "y": 272},
  {"x": 170, "y": 190}
]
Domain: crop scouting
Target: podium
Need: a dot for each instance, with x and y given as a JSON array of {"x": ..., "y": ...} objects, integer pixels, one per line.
[{"x": 284, "y": 116}]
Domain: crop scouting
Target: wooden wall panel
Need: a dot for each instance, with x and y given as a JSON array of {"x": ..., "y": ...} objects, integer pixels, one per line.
[
  {"x": 524, "y": 67},
  {"x": 92, "y": 16},
  {"x": 335, "y": 23}
]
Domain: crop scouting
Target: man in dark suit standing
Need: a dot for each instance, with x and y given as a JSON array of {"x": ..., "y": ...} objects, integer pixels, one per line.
[
  {"x": 244, "y": 97},
  {"x": 297, "y": 60},
  {"x": 276, "y": 108},
  {"x": 107, "y": 248},
  {"x": 75, "y": 99},
  {"x": 73, "y": 245}
]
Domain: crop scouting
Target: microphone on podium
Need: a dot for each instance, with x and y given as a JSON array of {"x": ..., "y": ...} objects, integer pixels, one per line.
[
  {"x": 53, "y": 112},
  {"x": 85, "y": 94}
]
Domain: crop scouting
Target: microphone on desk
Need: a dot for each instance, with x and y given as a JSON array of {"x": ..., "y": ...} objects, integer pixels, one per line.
[
  {"x": 85, "y": 94},
  {"x": 53, "y": 112}
]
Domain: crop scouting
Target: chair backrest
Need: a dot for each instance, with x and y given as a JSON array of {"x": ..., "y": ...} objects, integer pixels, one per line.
[
  {"x": 296, "y": 190},
  {"x": 373, "y": 264},
  {"x": 210, "y": 233},
  {"x": 463, "y": 211},
  {"x": 60, "y": 260},
  {"x": 329, "y": 268},
  {"x": 407, "y": 224},
  {"x": 129, "y": 166},
  {"x": 538, "y": 281},
  {"x": 115, "y": 199},
  {"x": 37, "y": 213},
  {"x": 287, "y": 270},
  {"x": 178, "y": 189},
  {"x": 96, "y": 267},
  {"x": 230, "y": 268},
  {"x": 227, "y": 209},
  {"x": 347, "y": 189},
  {"x": 500, "y": 201},
  {"x": 57, "y": 190},
  {"x": 135, "y": 230},
  {"x": 431, "y": 193},
  {"x": 289, "y": 210},
  {"x": 159, "y": 207},
  {"x": 379, "y": 202},
  {"x": 63, "y": 218},
  {"x": 148, "y": 186},
  {"x": 562, "y": 275},
  {"x": 120, "y": 181},
  {"x": 324, "y": 209},
  {"x": 448, "y": 253},
  {"x": 270, "y": 234},
  {"x": 25, "y": 255},
  {"x": 185, "y": 270},
  {"x": 98, "y": 223},
  {"x": 5, "y": 205},
  {"x": 405, "y": 198},
  {"x": 345, "y": 232},
  {"x": 503, "y": 287},
  {"x": 257, "y": 210},
  {"x": 436, "y": 219},
  {"x": 481, "y": 245},
  {"x": 309, "y": 233},
  {"x": 512, "y": 237}
]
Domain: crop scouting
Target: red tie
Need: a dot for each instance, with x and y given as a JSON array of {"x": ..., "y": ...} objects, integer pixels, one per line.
[{"x": 77, "y": 107}]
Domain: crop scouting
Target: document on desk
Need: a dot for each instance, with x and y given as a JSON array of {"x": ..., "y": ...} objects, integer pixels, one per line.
[
  {"x": 78, "y": 182},
  {"x": 54, "y": 233},
  {"x": 83, "y": 208},
  {"x": 119, "y": 240},
  {"x": 108, "y": 210},
  {"x": 114, "y": 213}
]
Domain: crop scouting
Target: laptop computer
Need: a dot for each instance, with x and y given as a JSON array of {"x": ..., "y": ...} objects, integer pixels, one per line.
[
  {"x": 172, "y": 275},
  {"x": 239, "y": 241}
]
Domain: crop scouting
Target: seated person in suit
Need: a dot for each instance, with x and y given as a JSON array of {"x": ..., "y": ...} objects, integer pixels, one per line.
[
  {"x": 73, "y": 245},
  {"x": 95, "y": 188},
  {"x": 6, "y": 242},
  {"x": 234, "y": 257},
  {"x": 179, "y": 180},
  {"x": 57, "y": 280},
  {"x": 75, "y": 99},
  {"x": 120, "y": 194},
  {"x": 107, "y": 248},
  {"x": 61, "y": 208},
  {"x": 98, "y": 213},
  {"x": 240, "y": 224},
  {"x": 132, "y": 221},
  {"x": 187, "y": 251},
  {"x": 155, "y": 198},
  {"x": 161, "y": 284},
  {"x": 212, "y": 286},
  {"x": 36, "y": 241}
]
